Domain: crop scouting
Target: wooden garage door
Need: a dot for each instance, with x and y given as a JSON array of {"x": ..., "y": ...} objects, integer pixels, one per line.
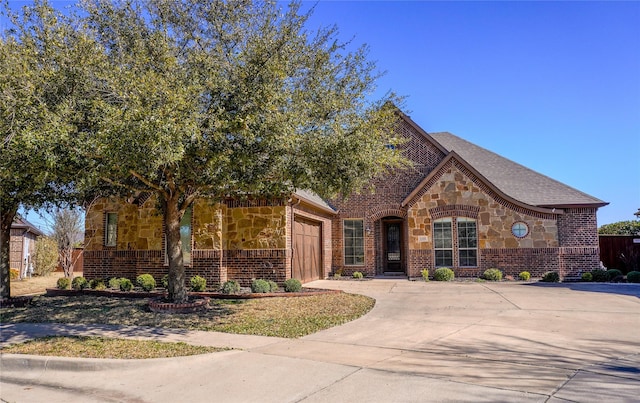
[{"x": 307, "y": 255}]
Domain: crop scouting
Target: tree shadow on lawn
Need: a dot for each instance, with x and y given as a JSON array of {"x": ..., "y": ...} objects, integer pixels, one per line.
[
  {"x": 631, "y": 289},
  {"x": 103, "y": 316}
]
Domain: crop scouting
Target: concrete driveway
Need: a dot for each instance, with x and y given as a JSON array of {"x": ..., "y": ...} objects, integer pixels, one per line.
[{"x": 422, "y": 342}]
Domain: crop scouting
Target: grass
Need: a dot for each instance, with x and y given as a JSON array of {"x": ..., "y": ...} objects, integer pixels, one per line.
[
  {"x": 281, "y": 317},
  {"x": 36, "y": 284},
  {"x": 100, "y": 347}
]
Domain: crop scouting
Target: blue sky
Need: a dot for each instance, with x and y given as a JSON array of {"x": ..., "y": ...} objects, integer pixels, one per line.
[{"x": 554, "y": 86}]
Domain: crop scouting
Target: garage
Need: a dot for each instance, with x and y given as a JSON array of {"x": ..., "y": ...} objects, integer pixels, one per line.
[{"x": 307, "y": 250}]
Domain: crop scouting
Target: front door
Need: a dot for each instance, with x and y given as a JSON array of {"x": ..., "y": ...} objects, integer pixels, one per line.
[{"x": 393, "y": 246}]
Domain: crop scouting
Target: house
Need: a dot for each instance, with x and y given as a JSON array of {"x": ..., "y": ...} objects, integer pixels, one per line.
[
  {"x": 22, "y": 244},
  {"x": 459, "y": 206}
]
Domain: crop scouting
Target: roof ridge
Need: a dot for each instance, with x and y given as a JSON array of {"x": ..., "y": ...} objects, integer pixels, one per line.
[{"x": 468, "y": 144}]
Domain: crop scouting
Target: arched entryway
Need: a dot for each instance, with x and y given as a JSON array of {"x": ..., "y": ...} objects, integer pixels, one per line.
[{"x": 392, "y": 251}]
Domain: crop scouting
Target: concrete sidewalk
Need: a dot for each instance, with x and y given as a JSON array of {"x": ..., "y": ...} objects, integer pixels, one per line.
[{"x": 421, "y": 342}]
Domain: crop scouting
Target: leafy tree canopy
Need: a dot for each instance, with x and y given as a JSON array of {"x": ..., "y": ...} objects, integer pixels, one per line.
[
  {"x": 187, "y": 99},
  {"x": 621, "y": 228},
  {"x": 41, "y": 81}
]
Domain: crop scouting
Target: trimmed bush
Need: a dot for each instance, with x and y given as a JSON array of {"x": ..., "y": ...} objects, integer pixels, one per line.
[
  {"x": 198, "y": 284},
  {"x": 357, "y": 275},
  {"x": 125, "y": 284},
  {"x": 14, "y": 274},
  {"x": 273, "y": 286},
  {"x": 63, "y": 283},
  {"x": 230, "y": 287},
  {"x": 524, "y": 276},
  {"x": 97, "y": 284},
  {"x": 260, "y": 286},
  {"x": 425, "y": 274},
  {"x": 292, "y": 285},
  {"x": 633, "y": 277},
  {"x": 612, "y": 274},
  {"x": 114, "y": 283},
  {"x": 600, "y": 276},
  {"x": 551, "y": 277},
  {"x": 587, "y": 276},
  {"x": 79, "y": 283},
  {"x": 492, "y": 275},
  {"x": 165, "y": 281},
  {"x": 146, "y": 282},
  {"x": 443, "y": 274}
]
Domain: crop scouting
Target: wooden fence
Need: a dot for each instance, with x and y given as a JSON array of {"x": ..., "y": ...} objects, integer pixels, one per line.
[
  {"x": 77, "y": 261},
  {"x": 620, "y": 252}
]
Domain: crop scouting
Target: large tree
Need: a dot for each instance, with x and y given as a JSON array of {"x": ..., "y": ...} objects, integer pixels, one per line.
[
  {"x": 41, "y": 71},
  {"x": 229, "y": 98}
]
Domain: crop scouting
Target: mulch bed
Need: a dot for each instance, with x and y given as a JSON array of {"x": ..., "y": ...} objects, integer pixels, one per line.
[{"x": 305, "y": 292}]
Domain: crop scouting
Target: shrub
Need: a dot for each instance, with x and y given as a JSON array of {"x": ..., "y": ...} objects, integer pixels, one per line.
[
  {"x": 260, "y": 286},
  {"x": 45, "y": 256},
  {"x": 600, "y": 276},
  {"x": 337, "y": 276},
  {"x": 97, "y": 284},
  {"x": 125, "y": 284},
  {"x": 443, "y": 274},
  {"x": 551, "y": 277},
  {"x": 492, "y": 275},
  {"x": 292, "y": 285},
  {"x": 633, "y": 277},
  {"x": 63, "y": 283},
  {"x": 14, "y": 274},
  {"x": 587, "y": 276},
  {"x": 146, "y": 282},
  {"x": 165, "y": 281},
  {"x": 230, "y": 287},
  {"x": 79, "y": 283},
  {"x": 198, "y": 284},
  {"x": 524, "y": 276},
  {"x": 357, "y": 275},
  {"x": 114, "y": 283},
  {"x": 425, "y": 274},
  {"x": 612, "y": 274},
  {"x": 273, "y": 286}
]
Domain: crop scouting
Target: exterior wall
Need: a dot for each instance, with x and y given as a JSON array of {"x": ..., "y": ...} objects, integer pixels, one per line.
[
  {"x": 238, "y": 240},
  {"x": 389, "y": 193},
  {"x": 17, "y": 240},
  {"x": 561, "y": 242}
]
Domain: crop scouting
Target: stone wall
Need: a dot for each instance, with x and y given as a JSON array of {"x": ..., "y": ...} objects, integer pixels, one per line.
[{"x": 454, "y": 193}]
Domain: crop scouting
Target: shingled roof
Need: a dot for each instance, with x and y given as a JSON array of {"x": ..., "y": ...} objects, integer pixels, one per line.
[{"x": 515, "y": 180}]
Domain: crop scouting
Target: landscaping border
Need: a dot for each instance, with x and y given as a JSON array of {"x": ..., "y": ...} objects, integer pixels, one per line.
[{"x": 306, "y": 292}]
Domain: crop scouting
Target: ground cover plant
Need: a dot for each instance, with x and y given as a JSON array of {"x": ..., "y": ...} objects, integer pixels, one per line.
[
  {"x": 280, "y": 316},
  {"x": 101, "y": 347}
]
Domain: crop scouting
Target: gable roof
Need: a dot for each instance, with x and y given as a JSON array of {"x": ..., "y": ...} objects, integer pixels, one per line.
[
  {"x": 22, "y": 223},
  {"x": 314, "y": 200},
  {"x": 515, "y": 180}
]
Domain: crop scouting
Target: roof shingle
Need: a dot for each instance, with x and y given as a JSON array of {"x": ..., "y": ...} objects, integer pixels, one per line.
[{"x": 515, "y": 180}]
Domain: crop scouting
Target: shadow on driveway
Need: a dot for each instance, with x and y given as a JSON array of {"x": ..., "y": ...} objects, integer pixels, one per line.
[{"x": 609, "y": 288}]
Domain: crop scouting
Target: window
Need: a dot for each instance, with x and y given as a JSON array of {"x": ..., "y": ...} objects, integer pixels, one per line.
[
  {"x": 443, "y": 242},
  {"x": 185, "y": 238},
  {"x": 463, "y": 241},
  {"x": 519, "y": 230},
  {"x": 467, "y": 242},
  {"x": 111, "y": 229},
  {"x": 353, "y": 242}
]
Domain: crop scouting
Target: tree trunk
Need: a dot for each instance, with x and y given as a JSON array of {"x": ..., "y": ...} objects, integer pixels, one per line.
[
  {"x": 172, "y": 217},
  {"x": 5, "y": 243}
]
